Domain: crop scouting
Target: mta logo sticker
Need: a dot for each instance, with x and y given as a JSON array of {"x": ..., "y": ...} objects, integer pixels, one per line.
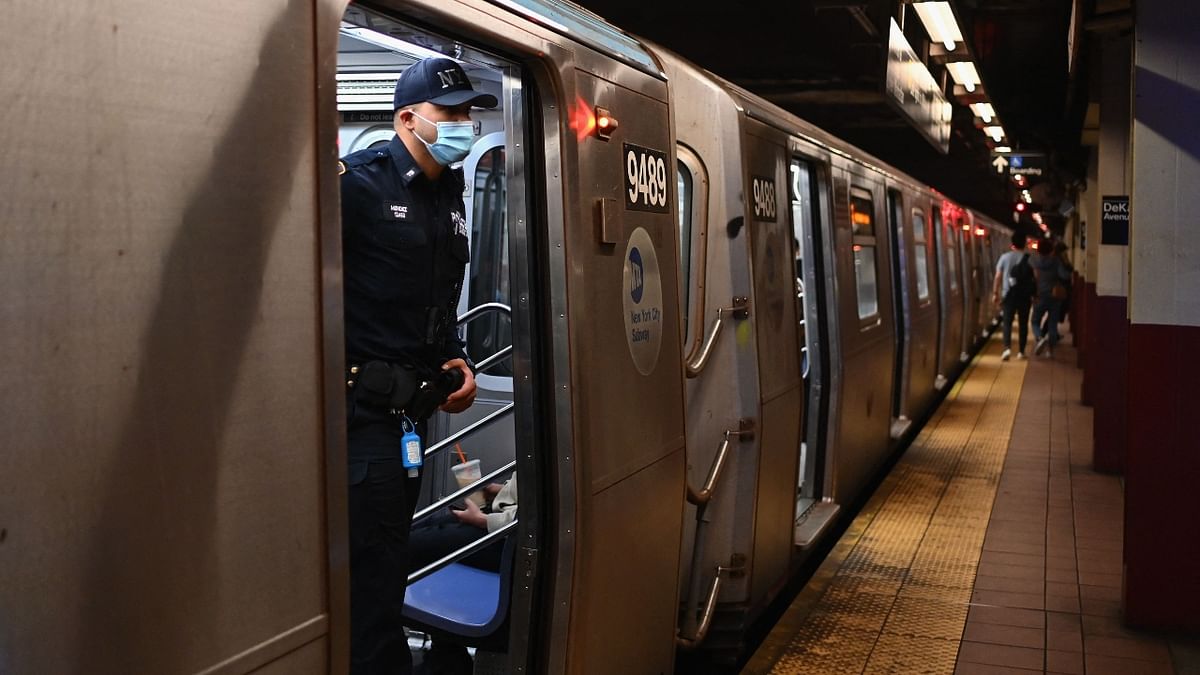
[
  {"x": 637, "y": 275},
  {"x": 642, "y": 301}
]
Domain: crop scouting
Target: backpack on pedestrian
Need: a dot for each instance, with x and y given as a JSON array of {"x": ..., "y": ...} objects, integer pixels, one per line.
[{"x": 1023, "y": 285}]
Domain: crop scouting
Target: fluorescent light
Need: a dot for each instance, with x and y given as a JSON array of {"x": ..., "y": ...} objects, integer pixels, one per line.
[
  {"x": 964, "y": 73},
  {"x": 939, "y": 23},
  {"x": 392, "y": 44},
  {"x": 995, "y": 131},
  {"x": 985, "y": 111},
  {"x": 1026, "y": 196},
  {"x": 1003, "y": 148}
]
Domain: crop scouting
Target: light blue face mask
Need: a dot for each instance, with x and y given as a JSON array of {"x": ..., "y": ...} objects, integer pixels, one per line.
[{"x": 453, "y": 143}]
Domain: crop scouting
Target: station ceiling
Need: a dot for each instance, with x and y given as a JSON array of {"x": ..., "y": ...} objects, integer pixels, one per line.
[{"x": 824, "y": 60}]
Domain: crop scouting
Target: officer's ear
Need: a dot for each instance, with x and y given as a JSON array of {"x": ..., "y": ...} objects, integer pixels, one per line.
[{"x": 404, "y": 118}]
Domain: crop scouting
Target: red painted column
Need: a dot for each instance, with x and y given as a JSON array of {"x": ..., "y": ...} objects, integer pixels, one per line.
[
  {"x": 1087, "y": 294},
  {"x": 1162, "y": 488},
  {"x": 1108, "y": 355}
]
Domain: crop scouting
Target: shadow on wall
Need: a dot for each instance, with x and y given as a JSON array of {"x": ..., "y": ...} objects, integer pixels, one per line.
[
  {"x": 1169, "y": 108},
  {"x": 150, "y": 558}
]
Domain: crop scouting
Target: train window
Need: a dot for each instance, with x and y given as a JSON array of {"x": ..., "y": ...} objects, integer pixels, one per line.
[
  {"x": 488, "y": 280},
  {"x": 862, "y": 213},
  {"x": 862, "y": 224},
  {"x": 683, "y": 180},
  {"x": 952, "y": 255},
  {"x": 921, "y": 254},
  {"x": 691, "y": 182}
]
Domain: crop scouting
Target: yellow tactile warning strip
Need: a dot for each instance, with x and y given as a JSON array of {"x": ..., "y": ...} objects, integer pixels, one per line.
[{"x": 893, "y": 594}]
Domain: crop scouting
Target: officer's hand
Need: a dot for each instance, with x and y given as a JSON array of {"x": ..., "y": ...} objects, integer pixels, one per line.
[{"x": 465, "y": 396}]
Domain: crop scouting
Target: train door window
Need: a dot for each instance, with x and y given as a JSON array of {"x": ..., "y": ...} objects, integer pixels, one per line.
[
  {"x": 951, "y": 244},
  {"x": 691, "y": 184},
  {"x": 488, "y": 273},
  {"x": 921, "y": 254},
  {"x": 862, "y": 226},
  {"x": 804, "y": 206}
]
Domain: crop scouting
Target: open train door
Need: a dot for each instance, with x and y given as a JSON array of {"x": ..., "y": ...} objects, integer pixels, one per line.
[
  {"x": 622, "y": 493},
  {"x": 780, "y": 395}
]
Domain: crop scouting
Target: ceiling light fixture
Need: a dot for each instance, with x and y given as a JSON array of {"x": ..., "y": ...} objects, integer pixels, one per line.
[
  {"x": 964, "y": 73},
  {"x": 939, "y": 23},
  {"x": 995, "y": 131},
  {"x": 984, "y": 111}
]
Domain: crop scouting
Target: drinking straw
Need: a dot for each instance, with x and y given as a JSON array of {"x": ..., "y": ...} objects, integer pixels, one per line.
[{"x": 462, "y": 459}]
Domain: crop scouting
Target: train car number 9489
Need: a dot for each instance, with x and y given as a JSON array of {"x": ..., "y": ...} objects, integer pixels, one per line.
[{"x": 646, "y": 179}]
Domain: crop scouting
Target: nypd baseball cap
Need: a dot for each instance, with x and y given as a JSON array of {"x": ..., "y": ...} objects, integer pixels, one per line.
[{"x": 439, "y": 81}]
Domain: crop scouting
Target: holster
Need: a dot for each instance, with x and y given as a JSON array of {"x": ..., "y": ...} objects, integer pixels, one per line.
[{"x": 384, "y": 385}]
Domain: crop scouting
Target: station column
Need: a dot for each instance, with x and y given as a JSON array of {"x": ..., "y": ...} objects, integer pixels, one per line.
[
  {"x": 1107, "y": 331},
  {"x": 1162, "y": 530}
]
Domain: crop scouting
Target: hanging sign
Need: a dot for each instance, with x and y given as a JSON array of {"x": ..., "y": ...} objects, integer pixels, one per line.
[{"x": 911, "y": 89}]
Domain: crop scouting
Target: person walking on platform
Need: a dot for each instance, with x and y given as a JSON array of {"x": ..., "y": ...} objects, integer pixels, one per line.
[
  {"x": 405, "y": 249},
  {"x": 1051, "y": 292},
  {"x": 1012, "y": 289}
]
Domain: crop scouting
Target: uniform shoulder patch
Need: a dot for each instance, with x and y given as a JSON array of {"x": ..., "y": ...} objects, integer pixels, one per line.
[{"x": 341, "y": 167}]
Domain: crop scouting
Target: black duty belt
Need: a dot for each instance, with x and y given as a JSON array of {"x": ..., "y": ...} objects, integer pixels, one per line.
[
  {"x": 400, "y": 389},
  {"x": 386, "y": 385}
]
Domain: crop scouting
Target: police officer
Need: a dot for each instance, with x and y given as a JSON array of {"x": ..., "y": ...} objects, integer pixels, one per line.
[{"x": 405, "y": 248}]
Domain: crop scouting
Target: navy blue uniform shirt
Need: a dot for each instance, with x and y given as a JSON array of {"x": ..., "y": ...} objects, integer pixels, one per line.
[{"x": 404, "y": 251}]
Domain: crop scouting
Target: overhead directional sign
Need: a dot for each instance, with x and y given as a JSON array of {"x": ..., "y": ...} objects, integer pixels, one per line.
[
  {"x": 1023, "y": 164},
  {"x": 1031, "y": 165}
]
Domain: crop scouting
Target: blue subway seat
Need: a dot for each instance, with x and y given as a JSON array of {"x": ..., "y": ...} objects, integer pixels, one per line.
[
  {"x": 462, "y": 600},
  {"x": 457, "y": 599}
]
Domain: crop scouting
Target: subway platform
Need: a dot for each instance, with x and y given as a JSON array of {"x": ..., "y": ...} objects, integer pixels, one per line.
[{"x": 992, "y": 547}]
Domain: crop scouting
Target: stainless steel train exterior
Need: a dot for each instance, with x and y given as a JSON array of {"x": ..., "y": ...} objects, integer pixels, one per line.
[{"x": 723, "y": 322}]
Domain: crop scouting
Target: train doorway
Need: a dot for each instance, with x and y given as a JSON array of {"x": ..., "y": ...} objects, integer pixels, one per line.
[{"x": 463, "y": 591}]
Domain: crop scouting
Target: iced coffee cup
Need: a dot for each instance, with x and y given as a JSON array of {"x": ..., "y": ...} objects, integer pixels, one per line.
[{"x": 467, "y": 473}]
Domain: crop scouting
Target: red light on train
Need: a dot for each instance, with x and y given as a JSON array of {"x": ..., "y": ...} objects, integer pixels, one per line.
[
  {"x": 1021, "y": 206},
  {"x": 581, "y": 119},
  {"x": 857, "y": 248},
  {"x": 606, "y": 124}
]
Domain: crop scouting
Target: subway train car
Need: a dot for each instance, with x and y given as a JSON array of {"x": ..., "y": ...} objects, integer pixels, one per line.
[{"x": 703, "y": 327}]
